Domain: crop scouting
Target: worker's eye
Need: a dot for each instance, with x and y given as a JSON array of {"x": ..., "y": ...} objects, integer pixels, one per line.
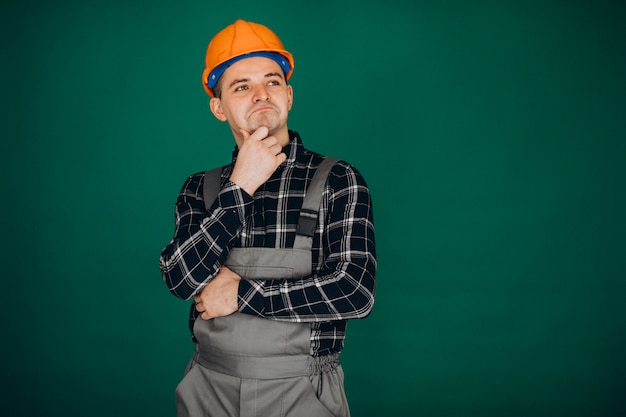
[
  {"x": 241, "y": 87},
  {"x": 273, "y": 82}
]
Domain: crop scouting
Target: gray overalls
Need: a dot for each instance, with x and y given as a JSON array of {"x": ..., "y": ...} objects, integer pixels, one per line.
[{"x": 255, "y": 367}]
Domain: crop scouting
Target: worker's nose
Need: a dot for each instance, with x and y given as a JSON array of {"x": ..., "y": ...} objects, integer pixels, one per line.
[{"x": 260, "y": 94}]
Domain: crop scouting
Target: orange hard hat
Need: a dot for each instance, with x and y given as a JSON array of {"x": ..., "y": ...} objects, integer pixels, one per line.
[{"x": 238, "y": 41}]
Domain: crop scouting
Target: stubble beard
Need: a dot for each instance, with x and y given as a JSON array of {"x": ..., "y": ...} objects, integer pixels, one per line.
[{"x": 271, "y": 121}]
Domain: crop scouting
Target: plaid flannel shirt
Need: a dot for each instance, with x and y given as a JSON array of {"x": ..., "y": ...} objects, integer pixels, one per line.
[{"x": 342, "y": 285}]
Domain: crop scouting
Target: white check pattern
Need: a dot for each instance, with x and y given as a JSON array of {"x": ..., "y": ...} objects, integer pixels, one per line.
[{"x": 342, "y": 286}]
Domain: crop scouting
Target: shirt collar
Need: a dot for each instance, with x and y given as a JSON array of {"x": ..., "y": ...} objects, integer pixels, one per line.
[{"x": 293, "y": 149}]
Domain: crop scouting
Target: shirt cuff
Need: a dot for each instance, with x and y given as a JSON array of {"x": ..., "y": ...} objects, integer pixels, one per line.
[
  {"x": 234, "y": 199},
  {"x": 250, "y": 300}
]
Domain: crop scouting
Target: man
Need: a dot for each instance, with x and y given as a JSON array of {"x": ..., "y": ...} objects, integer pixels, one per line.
[{"x": 275, "y": 257}]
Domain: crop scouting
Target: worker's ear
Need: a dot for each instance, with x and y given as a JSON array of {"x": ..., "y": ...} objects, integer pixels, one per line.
[
  {"x": 289, "y": 97},
  {"x": 216, "y": 108}
]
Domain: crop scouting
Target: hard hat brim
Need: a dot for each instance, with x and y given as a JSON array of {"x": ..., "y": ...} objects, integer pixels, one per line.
[{"x": 219, "y": 69}]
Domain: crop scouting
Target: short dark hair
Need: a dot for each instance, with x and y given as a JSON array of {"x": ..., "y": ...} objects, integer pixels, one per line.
[{"x": 217, "y": 89}]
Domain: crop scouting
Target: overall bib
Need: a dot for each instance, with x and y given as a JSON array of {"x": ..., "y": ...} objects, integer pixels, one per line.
[{"x": 249, "y": 366}]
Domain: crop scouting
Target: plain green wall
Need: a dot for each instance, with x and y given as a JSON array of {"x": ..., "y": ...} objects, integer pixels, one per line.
[{"x": 492, "y": 135}]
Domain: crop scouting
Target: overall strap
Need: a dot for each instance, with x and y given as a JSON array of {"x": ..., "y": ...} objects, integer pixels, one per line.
[
  {"x": 212, "y": 186},
  {"x": 310, "y": 205}
]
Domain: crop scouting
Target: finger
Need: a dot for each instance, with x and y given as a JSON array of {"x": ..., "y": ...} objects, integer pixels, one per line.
[
  {"x": 259, "y": 134},
  {"x": 275, "y": 149},
  {"x": 270, "y": 141},
  {"x": 199, "y": 307},
  {"x": 277, "y": 152}
]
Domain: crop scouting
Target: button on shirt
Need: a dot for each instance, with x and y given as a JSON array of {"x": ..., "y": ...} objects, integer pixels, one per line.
[{"x": 342, "y": 285}]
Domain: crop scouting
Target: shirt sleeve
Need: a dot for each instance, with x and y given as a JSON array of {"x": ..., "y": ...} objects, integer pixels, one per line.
[
  {"x": 343, "y": 286},
  {"x": 202, "y": 238}
]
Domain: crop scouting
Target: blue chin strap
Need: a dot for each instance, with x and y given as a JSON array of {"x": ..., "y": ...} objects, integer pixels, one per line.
[{"x": 219, "y": 70}]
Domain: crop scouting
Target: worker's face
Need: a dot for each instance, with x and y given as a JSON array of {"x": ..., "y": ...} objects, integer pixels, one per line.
[{"x": 254, "y": 94}]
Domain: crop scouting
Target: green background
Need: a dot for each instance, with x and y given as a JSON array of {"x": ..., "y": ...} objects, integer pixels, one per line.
[{"x": 492, "y": 135}]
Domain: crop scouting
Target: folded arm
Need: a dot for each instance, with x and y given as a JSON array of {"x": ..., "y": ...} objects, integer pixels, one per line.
[
  {"x": 202, "y": 239},
  {"x": 343, "y": 286}
]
